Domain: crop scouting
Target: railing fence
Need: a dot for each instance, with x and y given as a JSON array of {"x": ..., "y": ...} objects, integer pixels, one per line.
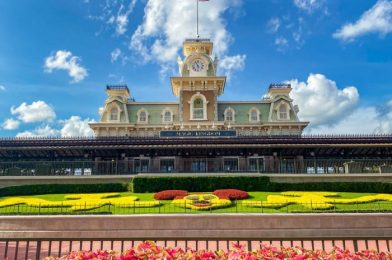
[
  {"x": 166, "y": 207},
  {"x": 39, "y": 248}
]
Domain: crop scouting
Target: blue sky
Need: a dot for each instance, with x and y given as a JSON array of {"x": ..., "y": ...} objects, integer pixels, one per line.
[{"x": 57, "y": 56}]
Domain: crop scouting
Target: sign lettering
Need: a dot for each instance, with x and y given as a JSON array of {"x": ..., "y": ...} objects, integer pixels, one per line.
[{"x": 230, "y": 133}]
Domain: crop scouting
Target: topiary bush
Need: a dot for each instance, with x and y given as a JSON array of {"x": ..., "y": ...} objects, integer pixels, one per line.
[
  {"x": 170, "y": 194},
  {"x": 231, "y": 194}
]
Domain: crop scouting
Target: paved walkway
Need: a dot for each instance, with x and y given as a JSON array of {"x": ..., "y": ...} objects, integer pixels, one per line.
[{"x": 28, "y": 249}]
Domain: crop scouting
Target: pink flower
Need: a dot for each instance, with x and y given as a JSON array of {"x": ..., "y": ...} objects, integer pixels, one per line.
[{"x": 150, "y": 251}]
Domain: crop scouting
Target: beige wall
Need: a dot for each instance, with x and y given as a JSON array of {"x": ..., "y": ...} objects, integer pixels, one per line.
[{"x": 199, "y": 226}]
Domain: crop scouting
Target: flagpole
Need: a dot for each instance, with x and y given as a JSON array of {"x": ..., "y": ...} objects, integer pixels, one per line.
[{"x": 197, "y": 19}]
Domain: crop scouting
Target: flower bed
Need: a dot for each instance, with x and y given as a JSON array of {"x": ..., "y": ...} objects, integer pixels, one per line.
[
  {"x": 149, "y": 250},
  {"x": 201, "y": 202},
  {"x": 81, "y": 201},
  {"x": 170, "y": 194},
  {"x": 313, "y": 200},
  {"x": 231, "y": 194}
]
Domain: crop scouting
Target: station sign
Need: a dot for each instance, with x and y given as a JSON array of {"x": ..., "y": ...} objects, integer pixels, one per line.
[{"x": 174, "y": 134}]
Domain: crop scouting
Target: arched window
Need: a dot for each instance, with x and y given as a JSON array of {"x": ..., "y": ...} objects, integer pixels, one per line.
[
  {"x": 254, "y": 115},
  {"x": 142, "y": 116},
  {"x": 283, "y": 113},
  {"x": 114, "y": 114},
  {"x": 198, "y": 109},
  {"x": 167, "y": 116},
  {"x": 229, "y": 115}
]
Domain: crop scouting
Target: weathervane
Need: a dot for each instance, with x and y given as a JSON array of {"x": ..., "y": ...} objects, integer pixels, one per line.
[{"x": 197, "y": 16}]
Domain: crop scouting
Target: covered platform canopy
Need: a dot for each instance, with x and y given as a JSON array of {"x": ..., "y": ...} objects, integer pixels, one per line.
[{"x": 308, "y": 146}]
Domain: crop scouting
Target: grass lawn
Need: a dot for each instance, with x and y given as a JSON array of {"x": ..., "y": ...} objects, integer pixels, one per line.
[{"x": 168, "y": 207}]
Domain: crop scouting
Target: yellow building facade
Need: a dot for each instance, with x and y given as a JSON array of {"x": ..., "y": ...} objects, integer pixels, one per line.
[{"x": 198, "y": 88}]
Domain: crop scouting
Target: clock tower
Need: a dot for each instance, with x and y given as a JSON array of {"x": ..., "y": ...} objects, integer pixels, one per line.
[{"x": 198, "y": 86}]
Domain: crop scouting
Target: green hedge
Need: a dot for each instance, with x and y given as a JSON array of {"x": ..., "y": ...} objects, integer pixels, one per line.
[
  {"x": 196, "y": 183},
  {"x": 368, "y": 187},
  {"x": 247, "y": 183},
  {"x": 62, "y": 188}
]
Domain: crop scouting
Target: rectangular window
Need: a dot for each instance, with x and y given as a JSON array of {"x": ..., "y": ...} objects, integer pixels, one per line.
[
  {"x": 198, "y": 113},
  {"x": 256, "y": 164},
  {"x": 113, "y": 117},
  {"x": 230, "y": 164},
  {"x": 199, "y": 165},
  {"x": 287, "y": 166},
  {"x": 283, "y": 115},
  {"x": 167, "y": 117},
  {"x": 167, "y": 165},
  {"x": 141, "y": 165}
]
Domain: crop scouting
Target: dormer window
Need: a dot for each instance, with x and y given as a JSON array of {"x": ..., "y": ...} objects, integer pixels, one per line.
[
  {"x": 229, "y": 115},
  {"x": 142, "y": 116},
  {"x": 283, "y": 112},
  {"x": 114, "y": 114},
  {"x": 167, "y": 116},
  {"x": 254, "y": 115}
]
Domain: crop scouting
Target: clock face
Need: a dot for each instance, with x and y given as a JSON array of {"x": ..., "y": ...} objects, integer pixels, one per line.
[{"x": 198, "y": 65}]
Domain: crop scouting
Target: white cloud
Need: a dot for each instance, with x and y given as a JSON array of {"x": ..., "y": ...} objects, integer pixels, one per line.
[
  {"x": 121, "y": 19},
  {"x": 166, "y": 24},
  {"x": 281, "y": 43},
  {"x": 377, "y": 19},
  {"x": 2, "y": 88},
  {"x": 115, "y": 54},
  {"x": 321, "y": 101},
  {"x": 38, "y": 111},
  {"x": 63, "y": 60},
  {"x": 10, "y": 124},
  {"x": 75, "y": 126},
  {"x": 273, "y": 25},
  {"x": 354, "y": 123},
  {"x": 42, "y": 131},
  {"x": 229, "y": 64},
  {"x": 308, "y": 5}
]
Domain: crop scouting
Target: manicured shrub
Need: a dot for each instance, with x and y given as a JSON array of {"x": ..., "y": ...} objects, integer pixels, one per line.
[
  {"x": 368, "y": 187},
  {"x": 142, "y": 184},
  {"x": 199, "y": 183},
  {"x": 170, "y": 194},
  {"x": 62, "y": 188},
  {"x": 231, "y": 194}
]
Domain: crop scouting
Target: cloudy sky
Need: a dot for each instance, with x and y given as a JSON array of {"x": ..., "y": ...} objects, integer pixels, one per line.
[{"x": 56, "y": 56}]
